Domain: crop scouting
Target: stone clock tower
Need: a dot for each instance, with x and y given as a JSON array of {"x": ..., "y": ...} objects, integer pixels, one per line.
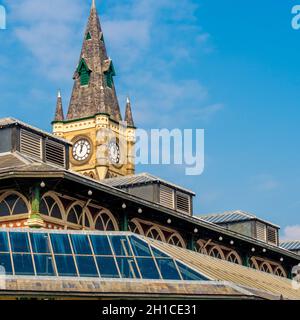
[{"x": 103, "y": 144}]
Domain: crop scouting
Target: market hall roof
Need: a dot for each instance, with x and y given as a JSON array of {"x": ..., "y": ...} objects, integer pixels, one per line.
[
  {"x": 293, "y": 245},
  {"x": 16, "y": 166},
  {"x": 11, "y": 122},
  {"x": 244, "y": 277},
  {"x": 140, "y": 179},
  {"x": 157, "y": 269},
  {"x": 233, "y": 216}
]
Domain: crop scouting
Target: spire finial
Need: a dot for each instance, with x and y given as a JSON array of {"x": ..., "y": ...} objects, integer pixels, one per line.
[
  {"x": 128, "y": 114},
  {"x": 93, "y": 4},
  {"x": 59, "y": 113}
]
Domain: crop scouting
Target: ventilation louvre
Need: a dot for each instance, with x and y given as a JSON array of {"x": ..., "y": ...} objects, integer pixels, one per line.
[
  {"x": 183, "y": 203},
  {"x": 272, "y": 235},
  {"x": 31, "y": 144},
  {"x": 55, "y": 153},
  {"x": 166, "y": 197},
  {"x": 261, "y": 231}
]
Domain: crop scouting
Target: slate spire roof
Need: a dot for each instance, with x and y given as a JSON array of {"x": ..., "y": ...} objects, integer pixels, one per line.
[
  {"x": 94, "y": 90},
  {"x": 128, "y": 114},
  {"x": 59, "y": 113}
]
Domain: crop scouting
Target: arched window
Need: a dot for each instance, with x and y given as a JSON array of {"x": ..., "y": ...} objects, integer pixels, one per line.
[
  {"x": 52, "y": 207},
  {"x": 265, "y": 267},
  {"x": 216, "y": 252},
  {"x": 85, "y": 219},
  {"x": 253, "y": 264},
  {"x": 135, "y": 227},
  {"x": 176, "y": 240},
  {"x": 74, "y": 214},
  {"x": 233, "y": 257},
  {"x": 13, "y": 203},
  {"x": 156, "y": 234},
  {"x": 279, "y": 272},
  {"x": 200, "y": 247},
  {"x": 105, "y": 221}
]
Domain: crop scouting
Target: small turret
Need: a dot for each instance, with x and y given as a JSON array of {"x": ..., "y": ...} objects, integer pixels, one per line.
[
  {"x": 59, "y": 112},
  {"x": 128, "y": 114}
]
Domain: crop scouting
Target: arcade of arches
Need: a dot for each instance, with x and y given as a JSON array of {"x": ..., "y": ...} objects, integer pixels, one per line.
[{"x": 62, "y": 212}]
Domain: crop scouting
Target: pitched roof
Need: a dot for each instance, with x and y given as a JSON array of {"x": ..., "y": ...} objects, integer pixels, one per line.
[
  {"x": 22, "y": 163},
  {"x": 10, "y": 122},
  {"x": 140, "y": 179},
  {"x": 232, "y": 216},
  {"x": 97, "y": 96},
  {"x": 290, "y": 245},
  {"x": 221, "y": 270}
]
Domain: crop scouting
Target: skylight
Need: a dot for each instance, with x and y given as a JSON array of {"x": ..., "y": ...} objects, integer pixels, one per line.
[{"x": 88, "y": 254}]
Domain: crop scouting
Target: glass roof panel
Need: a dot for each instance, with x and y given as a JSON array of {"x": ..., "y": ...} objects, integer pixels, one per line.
[
  {"x": 19, "y": 242},
  {"x": 3, "y": 242},
  {"x": 81, "y": 244},
  {"x": 74, "y": 253},
  {"x": 44, "y": 265},
  {"x": 65, "y": 266},
  {"x": 128, "y": 268},
  {"x": 5, "y": 263},
  {"x": 107, "y": 267},
  {"x": 86, "y": 266},
  {"x": 189, "y": 274},
  {"x": 60, "y": 243},
  {"x": 23, "y": 264},
  {"x": 159, "y": 254},
  {"x": 168, "y": 269},
  {"x": 101, "y": 245},
  {"x": 139, "y": 247},
  {"x": 120, "y": 245},
  {"x": 39, "y": 242},
  {"x": 148, "y": 268}
]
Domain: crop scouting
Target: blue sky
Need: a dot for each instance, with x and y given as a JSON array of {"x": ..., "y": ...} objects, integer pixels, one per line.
[{"x": 228, "y": 66}]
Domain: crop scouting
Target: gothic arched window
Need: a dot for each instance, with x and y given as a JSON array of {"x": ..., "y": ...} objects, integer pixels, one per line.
[
  {"x": 156, "y": 234},
  {"x": 265, "y": 267},
  {"x": 105, "y": 221},
  {"x": 74, "y": 214},
  {"x": 135, "y": 227},
  {"x": 176, "y": 240},
  {"x": 51, "y": 207},
  {"x": 216, "y": 252},
  {"x": 233, "y": 257},
  {"x": 279, "y": 272},
  {"x": 13, "y": 203}
]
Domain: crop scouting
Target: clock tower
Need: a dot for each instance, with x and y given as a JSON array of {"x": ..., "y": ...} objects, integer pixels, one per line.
[{"x": 103, "y": 144}]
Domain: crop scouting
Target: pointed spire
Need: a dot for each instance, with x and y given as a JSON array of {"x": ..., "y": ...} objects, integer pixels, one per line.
[
  {"x": 59, "y": 113},
  {"x": 94, "y": 89},
  {"x": 128, "y": 114}
]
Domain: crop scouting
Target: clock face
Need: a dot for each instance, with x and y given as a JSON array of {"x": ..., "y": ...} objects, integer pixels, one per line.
[
  {"x": 81, "y": 150},
  {"x": 114, "y": 152}
]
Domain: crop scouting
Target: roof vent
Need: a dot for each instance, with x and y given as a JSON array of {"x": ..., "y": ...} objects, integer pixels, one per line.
[
  {"x": 261, "y": 231},
  {"x": 31, "y": 144},
  {"x": 272, "y": 235},
  {"x": 55, "y": 153},
  {"x": 166, "y": 197},
  {"x": 183, "y": 202}
]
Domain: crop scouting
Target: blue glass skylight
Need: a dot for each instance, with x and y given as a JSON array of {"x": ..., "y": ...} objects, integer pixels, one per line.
[{"x": 88, "y": 255}]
